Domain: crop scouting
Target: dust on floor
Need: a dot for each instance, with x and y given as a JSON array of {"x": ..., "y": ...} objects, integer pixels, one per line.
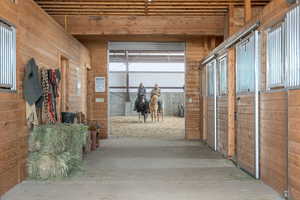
[{"x": 169, "y": 128}]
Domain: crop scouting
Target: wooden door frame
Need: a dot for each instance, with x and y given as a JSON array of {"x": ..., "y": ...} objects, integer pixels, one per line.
[{"x": 64, "y": 86}]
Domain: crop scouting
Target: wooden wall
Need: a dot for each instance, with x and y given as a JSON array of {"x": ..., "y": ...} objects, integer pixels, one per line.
[
  {"x": 204, "y": 102},
  {"x": 273, "y": 133},
  {"x": 38, "y": 36},
  {"x": 211, "y": 122},
  {"x": 245, "y": 132},
  {"x": 196, "y": 50},
  {"x": 98, "y": 111},
  {"x": 294, "y": 144},
  {"x": 222, "y": 120},
  {"x": 235, "y": 19}
]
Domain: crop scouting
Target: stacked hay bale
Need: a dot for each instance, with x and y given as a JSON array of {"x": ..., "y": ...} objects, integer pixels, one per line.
[{"x": 56, "y": 150}]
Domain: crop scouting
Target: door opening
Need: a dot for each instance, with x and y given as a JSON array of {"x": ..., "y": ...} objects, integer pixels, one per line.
[{"x": 146, "y": 64}]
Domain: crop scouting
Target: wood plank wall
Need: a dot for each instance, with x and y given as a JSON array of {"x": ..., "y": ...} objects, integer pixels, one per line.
[
  {"x": 196, "y": 50},
  {"x": 294, "y": 144},
  {"x": 235, "y": 20},
  {"x": 245, "y": 131},
  {"x": 38, "y": 36},
  {"x": 98, "y": 111},
  {"x": 222, "y": 121},
  {"x": 211, "y": 122},
  {"x": 273, "y": 133}
]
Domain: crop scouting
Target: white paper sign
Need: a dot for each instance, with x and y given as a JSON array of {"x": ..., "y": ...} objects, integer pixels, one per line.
[
  {"x": 100, "y": 84},
  {"x": 99, "y": 100}
]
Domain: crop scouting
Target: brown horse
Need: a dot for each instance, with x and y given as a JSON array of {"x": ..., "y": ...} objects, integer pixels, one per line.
[{"x": 154, "y": 108}]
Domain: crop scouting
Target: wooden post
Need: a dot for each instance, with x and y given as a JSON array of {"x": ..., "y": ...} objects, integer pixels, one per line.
[
  {"x": 231, "y": 25},
  {"x": 231, "y": 102},
  {"x": 247, "y": 10},
  {"x": 66, "y": 23}
]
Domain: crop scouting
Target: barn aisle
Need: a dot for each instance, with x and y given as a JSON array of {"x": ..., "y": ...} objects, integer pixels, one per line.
[{"x": 131, "y": 168}]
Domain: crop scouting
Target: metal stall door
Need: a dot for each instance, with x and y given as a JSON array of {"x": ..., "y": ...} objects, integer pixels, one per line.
[
  {"x": 212, "y": 105},
  {"x": 247, "y": 138}
]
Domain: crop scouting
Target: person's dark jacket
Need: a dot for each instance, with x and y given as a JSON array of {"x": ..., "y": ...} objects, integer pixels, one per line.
[
  {"x": 32, "y": 88},
  {"x": 141, "y": 91}
]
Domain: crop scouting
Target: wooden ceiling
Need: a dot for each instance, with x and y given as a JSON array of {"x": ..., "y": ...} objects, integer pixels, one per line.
[{"x": 142, "y": 7}]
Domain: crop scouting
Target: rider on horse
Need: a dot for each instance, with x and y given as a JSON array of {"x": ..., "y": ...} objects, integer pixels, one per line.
[
  {"x": 141, "y": 93},
  {"x": 156, "y": 91}
]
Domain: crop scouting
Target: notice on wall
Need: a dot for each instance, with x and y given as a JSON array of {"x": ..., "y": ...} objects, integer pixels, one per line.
[
  {"x": 100, "y": 84},
  {"x": 100, "y": 100}
]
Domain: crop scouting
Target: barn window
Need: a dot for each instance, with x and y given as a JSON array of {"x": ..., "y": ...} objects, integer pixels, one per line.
[
  {"x": 211, "y": 78},
  {"x": 293, "y": 48},
  {"x": 275, "y": 74},
  {"x": 246, "y": 65},
  {"x": 223, "y": 75},
  {"x": 7, "y": 57}
]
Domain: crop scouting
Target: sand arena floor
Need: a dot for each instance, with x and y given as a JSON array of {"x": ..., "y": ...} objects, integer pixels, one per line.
[{"x": 169, "y": 128}]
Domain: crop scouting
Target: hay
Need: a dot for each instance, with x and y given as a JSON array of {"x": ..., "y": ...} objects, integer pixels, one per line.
[{"x": 55, "y": 150}]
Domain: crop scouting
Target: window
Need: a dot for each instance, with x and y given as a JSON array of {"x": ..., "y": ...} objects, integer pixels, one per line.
[
  {"x": 293, "y": 48},
  {"x": 246, "y": 65},
  {"x": 166, "y": 68},
  {"x": 7, "y": 57},
  {"x": 211, "y": 78},
  {"x": 223, "y": 75},
  {"x": 275, "y": 73}
]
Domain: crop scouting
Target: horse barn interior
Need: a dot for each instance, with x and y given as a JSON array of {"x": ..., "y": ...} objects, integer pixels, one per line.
[{"x": 232, "y": 65}]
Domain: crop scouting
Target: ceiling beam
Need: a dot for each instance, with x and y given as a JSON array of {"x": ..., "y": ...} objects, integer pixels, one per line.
[
  {"x": 144, "y": 25},
  {"x": 143, "y": 7}
]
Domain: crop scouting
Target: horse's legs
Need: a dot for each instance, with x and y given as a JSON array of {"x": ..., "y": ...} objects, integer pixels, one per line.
[{"x": 151, "y": 114}]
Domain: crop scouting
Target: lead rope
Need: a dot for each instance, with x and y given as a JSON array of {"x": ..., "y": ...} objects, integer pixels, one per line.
[{"x": 45, "y": 86}]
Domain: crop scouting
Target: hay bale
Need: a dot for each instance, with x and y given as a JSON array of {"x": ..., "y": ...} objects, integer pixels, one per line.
[{"x": 55, "y": 150}]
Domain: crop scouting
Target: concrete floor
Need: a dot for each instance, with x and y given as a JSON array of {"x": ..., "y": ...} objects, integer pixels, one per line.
[{"x": 149, "y": 169}]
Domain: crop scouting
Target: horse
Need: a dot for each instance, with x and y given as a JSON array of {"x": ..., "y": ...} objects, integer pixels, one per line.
[
  {"x": 154, "y": 108},
  {"x": 142, "y": 107}
]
